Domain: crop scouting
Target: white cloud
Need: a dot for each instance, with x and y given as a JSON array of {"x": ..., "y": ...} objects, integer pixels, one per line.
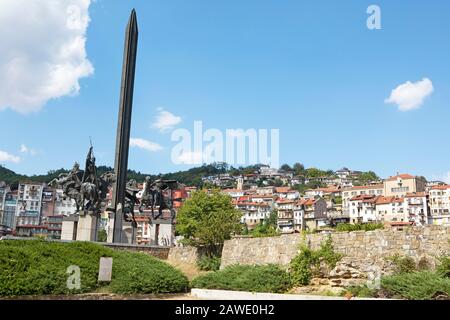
[
  {"x": 42, "y": 52},
  {"x": 165, "y": 120},
  {"x": 26, "y": 150},
  {"x": 7, "y": 157},
  {"x": 145, "y": 144},
  {"x": 410, "y": 95}
]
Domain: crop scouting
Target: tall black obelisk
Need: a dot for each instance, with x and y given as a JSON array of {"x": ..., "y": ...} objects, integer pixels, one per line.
[{"x": 123, "y": 126}]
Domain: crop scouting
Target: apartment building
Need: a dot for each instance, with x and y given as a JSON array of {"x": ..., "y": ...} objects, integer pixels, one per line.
[
  {"x": 349, "y": 193},
  {"x": 439, "y": 198},
  {"x": 362, "y": 208},
  {"x": 402, "y": 184},
  {"x": 29, "y": 204}
]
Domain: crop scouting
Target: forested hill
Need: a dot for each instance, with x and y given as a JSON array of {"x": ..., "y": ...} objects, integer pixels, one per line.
[{"x": 191, "y": 177}]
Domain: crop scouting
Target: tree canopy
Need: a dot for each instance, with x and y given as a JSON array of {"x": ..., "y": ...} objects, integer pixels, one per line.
[{"x": 208, "y": 220}]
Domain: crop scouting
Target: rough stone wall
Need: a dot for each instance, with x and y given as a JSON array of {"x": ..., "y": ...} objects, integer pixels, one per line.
[
  {"x": 364, "y": 253},
  {"x": 156, "y": 251},
  {"x": 183, "y": 255}
]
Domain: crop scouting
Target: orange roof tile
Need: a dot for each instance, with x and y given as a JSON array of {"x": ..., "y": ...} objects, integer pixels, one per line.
[{"x": 402, "y": 176}]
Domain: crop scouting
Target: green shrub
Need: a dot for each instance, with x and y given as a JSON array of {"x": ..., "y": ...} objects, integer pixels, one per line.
[
  {"x": 307, "y": 262},
  {"x": 423, "y": 285},
  {"x": 255, "y": 278},
  {"x": 403, "y": 264},
  {"x": 346, "y": 227},
  {"x": 141, "y": 273},
  {"x": 300, "y": 266},
  {"x": 443, "y": 268},
  {"x": 207, "y": 263},
  {"x": 359, "y": 291},
  {"x": 35, "y": 267}
]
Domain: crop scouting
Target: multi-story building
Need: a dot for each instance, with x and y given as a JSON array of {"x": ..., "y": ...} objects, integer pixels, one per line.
[
  {"x": 347, "y": 194},
  {"x": 402, "y": 184},
  {"x": 315, "y": 213},
  {"x": 285, "y": 209},
  {"x": 29, "y": 204},
  {"x": 9, "y": 209},
  {"x": 254, "y": 213},
  {"x": 418, "y": 207},
  {"x": 64, "y": 206},
  {"x": 439, "y": 205},
  {"x": 391, "y": 209},
  {"x": 362, "y": 208},
  {"x": 4, "y": 189}
]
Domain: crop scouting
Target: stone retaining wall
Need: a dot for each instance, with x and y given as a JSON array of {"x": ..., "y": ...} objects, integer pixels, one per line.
[
  {"x": 156, "y": 251},
  {"x": 364, "y": 253}
]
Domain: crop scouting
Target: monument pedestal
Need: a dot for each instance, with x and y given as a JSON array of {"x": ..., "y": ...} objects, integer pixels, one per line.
[{"x": 87, "y": 228}]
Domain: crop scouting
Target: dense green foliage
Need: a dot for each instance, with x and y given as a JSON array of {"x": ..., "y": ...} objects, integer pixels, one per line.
[
  {"x": 403, "y": 264},
  {"x": 346, "y": 227},
  {"x": 208, "y": 219},
  {"x": 359, "y": 291},
  {"x": 266, "y": 228},
  {"x": 444, "y": 267},
  {"x": 141, "y": 273},
  {"x": 36, "y": 267},
  {"x": 307, "y": 262},
  {"x": 208, "y": 263},
  {"x": 256, "y": 278},
  {"x": 422, "y": 285}
]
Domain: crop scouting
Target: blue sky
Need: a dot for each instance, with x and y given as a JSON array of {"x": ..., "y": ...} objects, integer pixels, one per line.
[{"x": 310, "y": 68}]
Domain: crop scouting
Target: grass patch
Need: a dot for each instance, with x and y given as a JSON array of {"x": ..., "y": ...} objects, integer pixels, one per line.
[
  {"x": 36, "y": 267},
  {"x": 254, "y": 278}
]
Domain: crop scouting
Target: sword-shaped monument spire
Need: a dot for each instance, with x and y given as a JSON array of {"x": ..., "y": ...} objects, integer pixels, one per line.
[{"x": 123, "y": 126}]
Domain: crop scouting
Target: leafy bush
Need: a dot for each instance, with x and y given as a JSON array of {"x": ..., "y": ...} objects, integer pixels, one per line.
[
  {"x": 207, "y": 263},
  {"x": 34, "y": 267},
  {"x": 141, "y": 273},
  {"x": 423, "y": 285},
  {"x": 255, "y": 278},
  {"x": 403, "y": 264},
  {"x": 346, "y": 227},
  {"x": 307, "y": 262}
]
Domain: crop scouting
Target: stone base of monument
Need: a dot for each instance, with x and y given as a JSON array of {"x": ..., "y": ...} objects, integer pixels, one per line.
[
  {"x": 128, "y": 234},
  {"x": 87, "y": 228}
]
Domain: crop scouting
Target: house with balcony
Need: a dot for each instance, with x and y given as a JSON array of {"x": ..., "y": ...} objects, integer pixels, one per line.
[
  {"x": 439, "y": 197},
  {"x": 362, "y": 208}
]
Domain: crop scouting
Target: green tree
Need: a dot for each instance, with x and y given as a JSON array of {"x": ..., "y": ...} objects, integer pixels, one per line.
[
  {"x": 299, "y": 168},
  {"x": 208, "y": 220},
  {"x": 366, "y": 177},
  {"x": 286, "y": 167}
]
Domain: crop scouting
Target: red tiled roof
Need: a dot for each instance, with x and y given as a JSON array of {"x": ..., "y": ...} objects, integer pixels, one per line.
[
  {"x": 282, "y": 189},
  {"x": 440, "y": 187},
  {"x": 416, "y": 194},
  {"x": 373, "y": 186},
  {"x": 386, "y": 200},
  {"x": 402, "y": 176},
  {"x": 364, "y": 198}
]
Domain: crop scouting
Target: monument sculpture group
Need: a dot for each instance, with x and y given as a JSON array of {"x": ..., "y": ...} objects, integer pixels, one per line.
[{"x": 89, "y": 190}]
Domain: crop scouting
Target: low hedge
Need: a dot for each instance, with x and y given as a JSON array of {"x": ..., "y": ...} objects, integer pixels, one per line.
[
  {"x": 254, "y": 278},
  {"x": 424, "y": 285},
  {"x": 36, "y": 267}
]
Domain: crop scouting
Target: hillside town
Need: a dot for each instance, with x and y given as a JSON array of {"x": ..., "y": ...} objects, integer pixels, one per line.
[{"x": 37, "y": 209}]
